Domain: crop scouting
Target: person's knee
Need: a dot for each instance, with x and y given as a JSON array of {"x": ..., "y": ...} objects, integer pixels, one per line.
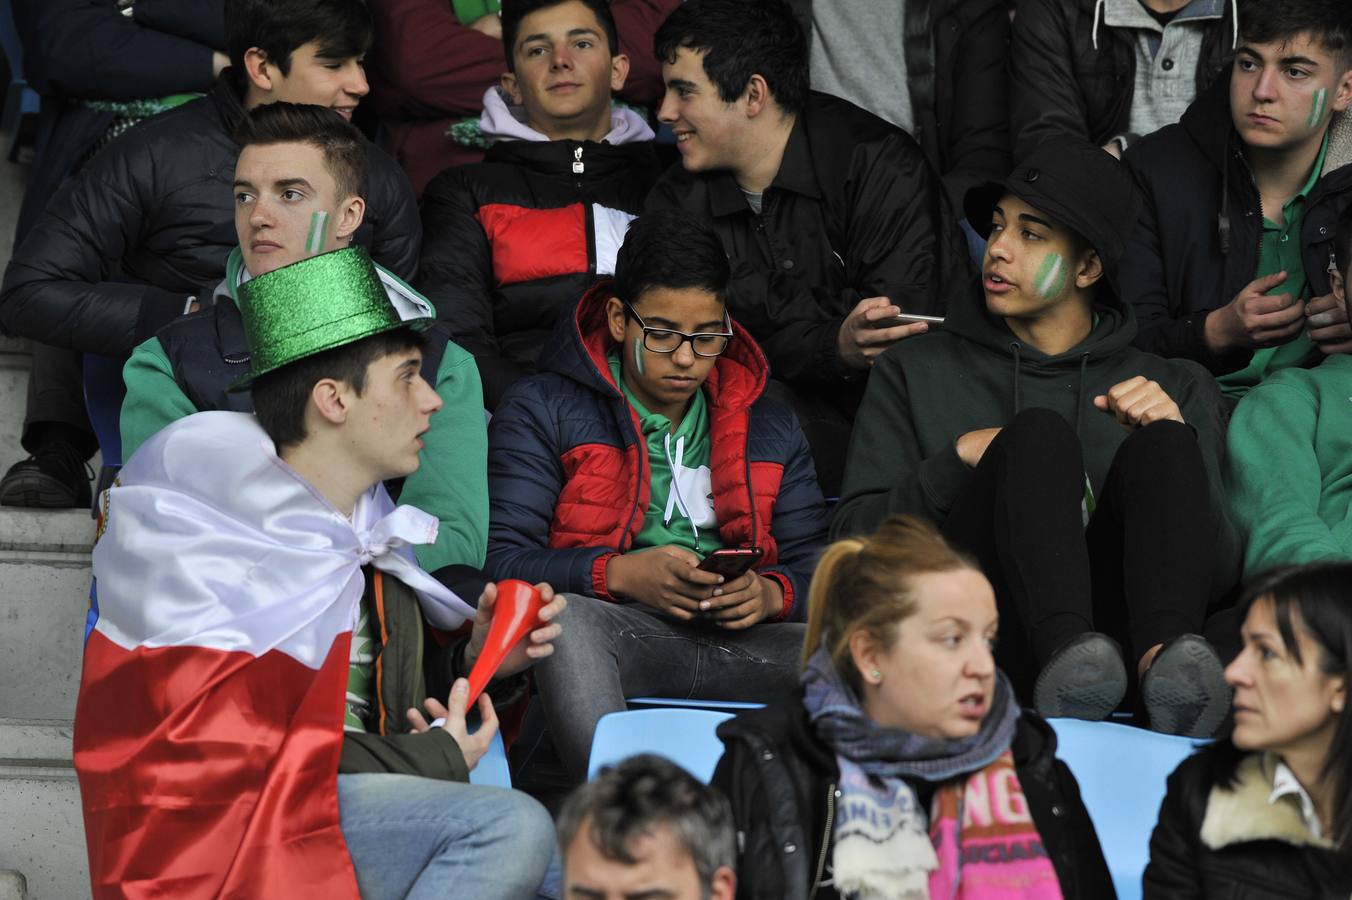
[
  {"x": 522, "y": 834},
  {"x": 1042, "y": 437},
  {"x": 1161, "y": 447},
  {"x": 582, "y": 624}
]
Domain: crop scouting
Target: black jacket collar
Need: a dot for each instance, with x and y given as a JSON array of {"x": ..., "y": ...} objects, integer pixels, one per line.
[{"x": 795, "y": 174}]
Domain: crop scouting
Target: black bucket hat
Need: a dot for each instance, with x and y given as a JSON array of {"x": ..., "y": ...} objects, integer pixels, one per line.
[{"x": 1079, "y": 185}]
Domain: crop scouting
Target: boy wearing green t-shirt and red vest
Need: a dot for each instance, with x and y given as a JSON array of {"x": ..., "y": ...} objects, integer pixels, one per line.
[{"x": 642, "y": 445}]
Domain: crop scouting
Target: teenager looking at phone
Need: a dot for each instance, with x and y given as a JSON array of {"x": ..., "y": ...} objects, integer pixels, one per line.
[
  {"x": 642, "y": 444},
  {"x": 1082, "y": 473}
]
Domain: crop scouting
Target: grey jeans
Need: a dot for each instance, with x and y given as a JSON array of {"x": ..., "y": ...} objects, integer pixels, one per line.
[{"x": 610, "y": 651}]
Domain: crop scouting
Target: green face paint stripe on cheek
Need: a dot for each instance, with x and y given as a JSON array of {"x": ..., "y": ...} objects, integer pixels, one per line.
[
  {"x": 1051, "y": 276},
  {"x": 1317, "y": 104},
  {"x": 638, "y": 354},
  {"x": 319, "y": 232}
]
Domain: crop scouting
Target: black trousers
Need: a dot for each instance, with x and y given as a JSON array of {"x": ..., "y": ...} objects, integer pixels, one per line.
[
  {"x": 56, "y": 407},
  {"x": 1140, "y": 571}
]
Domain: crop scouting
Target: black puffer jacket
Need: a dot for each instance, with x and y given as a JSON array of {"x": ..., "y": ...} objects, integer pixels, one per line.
[
  {"x": 1197, "y": 242},
  {"x": 514, "y": 239},
  {"x": 1061, "y": 83},
  {"x": 1213, "y": 842},
  {"x": 781, "y": 780},
  {"x": 855, "y": 211},
  {"x": 149, "y": 222}
]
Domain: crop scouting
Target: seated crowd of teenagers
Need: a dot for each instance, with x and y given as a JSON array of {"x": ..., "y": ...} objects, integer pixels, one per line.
[{"x": 915, "y": 416}]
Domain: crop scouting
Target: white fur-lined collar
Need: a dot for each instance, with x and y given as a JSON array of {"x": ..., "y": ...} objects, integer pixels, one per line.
[
  {"x": 1340, "y": 142},
  {"x": 1242, "y": 813}
]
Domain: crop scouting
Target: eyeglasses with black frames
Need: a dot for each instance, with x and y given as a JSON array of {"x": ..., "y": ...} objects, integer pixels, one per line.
[{"x": 667, "y": 340}]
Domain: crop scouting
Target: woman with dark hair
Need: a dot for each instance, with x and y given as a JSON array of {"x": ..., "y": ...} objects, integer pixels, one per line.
[
  {"x": 1268, "y": 811},
  {"x": 903, "y": 767}
]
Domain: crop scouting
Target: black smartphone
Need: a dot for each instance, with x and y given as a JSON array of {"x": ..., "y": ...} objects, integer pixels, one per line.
[
  {"x": 731, "y": 562},
  {"x": 935, "y": 322}
]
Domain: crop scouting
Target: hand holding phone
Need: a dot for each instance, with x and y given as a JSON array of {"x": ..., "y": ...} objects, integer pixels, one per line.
[{"x": 731, "y": 562}]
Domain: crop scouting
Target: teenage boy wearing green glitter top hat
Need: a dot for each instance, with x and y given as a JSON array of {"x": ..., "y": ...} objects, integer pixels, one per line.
[
  {"x": 299, "y": 190},
  {"x": 252, "y": 568},
  {"x": 1230, "y": 262},
  {"x": 1081, "y": 472}
]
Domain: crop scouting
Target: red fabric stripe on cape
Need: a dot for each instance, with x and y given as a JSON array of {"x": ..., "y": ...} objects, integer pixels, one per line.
[{"x": 209, "y": 773}]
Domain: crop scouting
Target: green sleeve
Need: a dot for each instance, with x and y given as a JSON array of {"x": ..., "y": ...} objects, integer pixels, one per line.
[
  {"x": 434, "y": 754},
  {"x": 153, "y": 399},
  {"x": 1274, "y": 481},
  {"x": 452, "y": 480}
]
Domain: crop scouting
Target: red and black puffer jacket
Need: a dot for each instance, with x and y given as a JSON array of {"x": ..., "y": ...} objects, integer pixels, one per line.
[{"x": 568, "y": 476}]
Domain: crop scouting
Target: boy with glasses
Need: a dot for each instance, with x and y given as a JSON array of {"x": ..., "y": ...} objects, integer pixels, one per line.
[{"x": 641, "y": 446}]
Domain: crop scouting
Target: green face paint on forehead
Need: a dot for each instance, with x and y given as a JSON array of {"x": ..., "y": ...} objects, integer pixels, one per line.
[
  {"x": 318, "y": 237},
  {"x": 1318, "y": 103},
  {"x": 638, "y": 354},
  {"x": 1051, "y": 276}
]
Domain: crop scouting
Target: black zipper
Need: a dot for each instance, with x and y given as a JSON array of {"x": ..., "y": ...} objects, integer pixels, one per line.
[{"x": 826, "y": 839}]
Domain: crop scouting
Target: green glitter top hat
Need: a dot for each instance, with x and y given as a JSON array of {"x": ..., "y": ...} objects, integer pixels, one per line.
[{"x": 314, "y": 305}]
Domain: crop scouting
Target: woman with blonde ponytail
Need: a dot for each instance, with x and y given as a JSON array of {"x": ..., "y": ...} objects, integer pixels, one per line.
[{"x": 903, "y": 767}]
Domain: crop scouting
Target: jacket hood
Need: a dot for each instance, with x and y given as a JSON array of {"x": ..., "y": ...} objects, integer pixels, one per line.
[
  {"x": 501, "y": 121},
  {"x": 1114, "y": 327},
  {"x": 582, "y": 340}
]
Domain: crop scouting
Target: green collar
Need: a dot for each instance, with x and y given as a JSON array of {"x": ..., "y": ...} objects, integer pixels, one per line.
[{"x": 695, "y": 416}]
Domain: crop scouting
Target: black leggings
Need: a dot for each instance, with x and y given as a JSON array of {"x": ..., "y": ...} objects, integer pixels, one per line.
[{"x": 1140, "y": 571}]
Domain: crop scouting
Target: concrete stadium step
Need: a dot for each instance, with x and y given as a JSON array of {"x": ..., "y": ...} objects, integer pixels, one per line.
[
  {"x": 44, "y": 568},
  {"x": 42, "y": 844},
  {"x": 14, "y": 361}
]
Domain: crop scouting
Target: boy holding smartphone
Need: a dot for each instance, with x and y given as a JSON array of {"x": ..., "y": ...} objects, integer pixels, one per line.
[{"x": 643, "y": 445}]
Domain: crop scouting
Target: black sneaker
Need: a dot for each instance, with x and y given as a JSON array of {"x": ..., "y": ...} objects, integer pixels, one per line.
[
  {"x": 1085, "y": 679},
  {"x": 1184, "y": 690},
  {"x": 57, "y": 476}
]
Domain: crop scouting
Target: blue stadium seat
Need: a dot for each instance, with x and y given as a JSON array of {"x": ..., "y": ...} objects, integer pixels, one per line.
[
  {"x": 492, "y": 769},
  {"x": 685, "y": 736},
  {"x": 104, "y": 391},
  {"x": 1122, "y": 772},
  {"x": 731, "y": 705}
]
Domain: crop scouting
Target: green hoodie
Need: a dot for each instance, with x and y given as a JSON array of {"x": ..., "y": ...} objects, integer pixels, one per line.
[
  {"x": 452, "y": 480},
  {"x": 1290, "y": 466},
  {"x": 929, "y": 390}
]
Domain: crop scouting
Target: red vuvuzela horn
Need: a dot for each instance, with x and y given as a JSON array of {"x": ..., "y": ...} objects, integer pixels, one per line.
[{"x": 515, "y": 614}]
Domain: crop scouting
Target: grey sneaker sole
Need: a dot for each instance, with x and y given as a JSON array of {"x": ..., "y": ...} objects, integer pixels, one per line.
[
  {"x": 1184, "y": 691},
  {"x": 1086, "y": 679}
]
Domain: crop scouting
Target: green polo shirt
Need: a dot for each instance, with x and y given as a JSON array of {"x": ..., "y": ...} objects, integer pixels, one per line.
[
  {"x": 1280, "y": 251},
  {"x": 673, "y": 516}
]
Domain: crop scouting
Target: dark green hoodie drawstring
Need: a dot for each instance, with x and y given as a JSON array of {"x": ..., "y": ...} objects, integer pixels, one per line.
[
  {"x": 1079, "y": 395},
  {"x": 1018, "y": 364}
]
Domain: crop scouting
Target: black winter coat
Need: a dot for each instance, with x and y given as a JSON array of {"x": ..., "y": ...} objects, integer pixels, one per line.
[
  {"x": 1246, "y": 849},
  {"x": 512, "y": 240},
  {"x": 1196, "y": 244},
  {"x": 149, "y": 222},
  {"x": 781, "y": 780},
  {"x": 855, "y": 211},
  {"x": 1060, "y": 83},
  {"x": 75, "y": 50},
  {"x": 955, "y": 51}
]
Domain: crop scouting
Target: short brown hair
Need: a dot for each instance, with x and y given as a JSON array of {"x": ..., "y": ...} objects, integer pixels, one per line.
[
  {"x": 343, "y": 146},
  {"x": 864, "y": 584}
]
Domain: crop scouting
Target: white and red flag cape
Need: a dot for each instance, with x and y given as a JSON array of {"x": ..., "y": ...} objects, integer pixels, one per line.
[{"x": 209, "y": 723}]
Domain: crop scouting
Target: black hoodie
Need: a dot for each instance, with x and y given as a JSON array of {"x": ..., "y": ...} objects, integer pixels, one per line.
[{"x": 929, "y": 390}]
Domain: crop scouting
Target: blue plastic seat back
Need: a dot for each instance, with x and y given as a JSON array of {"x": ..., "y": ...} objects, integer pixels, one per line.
[
  {"x": 104, "y": 392},
  {"x": 1121, "y": 771},
  {"x": 492, "y": 769},
  {"x": 684, "y": 736},
  {"x": 733, "y": 706}
]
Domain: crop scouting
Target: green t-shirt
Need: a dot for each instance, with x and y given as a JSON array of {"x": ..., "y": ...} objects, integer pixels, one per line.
[
  {"x": 681, "y": 509},
  {"x": 1280, "y": 251}
]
